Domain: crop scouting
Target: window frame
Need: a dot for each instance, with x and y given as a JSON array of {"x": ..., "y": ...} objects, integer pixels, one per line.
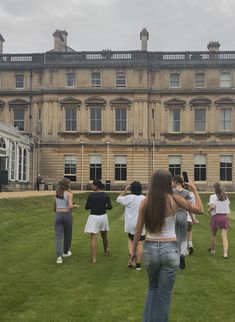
[
  {"x": 19, "y": 121},
  {"x": 118, "y": 82},
  {"x": 17, "y": 82},
  {"x": 171, "y": 81},
  {"x": 196, "y": 109},
  {"x": 223, "y": 121},
  {"x": 226, "y": 171},
  {"x": 72, "y": 121},
  {"x": 71, "y": 172},
  {"x": 97, "y": 121},
  {"x": 171, "y": 123},
  {"x": 121, "y": 123},
  {"x": 200, "y": 168},
  {"x": 229, "y": 81},
  {"x": 199, "y": 83},
  {"x": 73, "y": 84},
  {"x": 96, "y": 81},
  {"x": 120, "y": 170}
]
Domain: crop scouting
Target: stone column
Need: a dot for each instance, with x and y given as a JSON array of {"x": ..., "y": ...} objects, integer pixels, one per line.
[
  {"x": 145, "y": 112},
  {"x": 136, "y": 119},
  {"x": 54, "y": 120},
  {"x": 45, "y": 120}
]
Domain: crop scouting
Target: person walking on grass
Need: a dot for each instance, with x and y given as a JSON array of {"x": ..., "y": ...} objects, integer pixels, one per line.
[
  {"x": 161, "y": 258},
  {"x": 98, "y": 202},
  {"x": 63, "y": 205},
  {"x": 219, "y": 209},
  {"x": 181, "y": 225},
  {"x": 131, "y": 203}
]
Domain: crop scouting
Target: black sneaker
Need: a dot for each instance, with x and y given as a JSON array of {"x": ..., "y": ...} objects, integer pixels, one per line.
[
  {"x": 182, "y": 261},
  {"x": 190, "y": 250},
  {"x": 138, "y": 266}
]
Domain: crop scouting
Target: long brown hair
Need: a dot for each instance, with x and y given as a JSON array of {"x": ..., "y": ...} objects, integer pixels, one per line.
[
  {"x": 219, "y": 192},
  {"x": 156, "y": 206},
  {"x": 62, "y": 187}
]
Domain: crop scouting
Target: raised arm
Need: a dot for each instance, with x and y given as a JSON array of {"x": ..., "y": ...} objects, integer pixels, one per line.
[{"x": 197, "y": 208}]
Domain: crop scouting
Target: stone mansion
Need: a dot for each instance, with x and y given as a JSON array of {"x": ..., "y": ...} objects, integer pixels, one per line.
[{"x": 118, "y": 115}]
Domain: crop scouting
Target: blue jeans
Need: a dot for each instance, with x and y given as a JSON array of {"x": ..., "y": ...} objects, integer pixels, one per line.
[{"x": 161, "y": 261}]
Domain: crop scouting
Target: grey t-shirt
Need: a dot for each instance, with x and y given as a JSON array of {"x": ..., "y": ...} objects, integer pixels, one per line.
[{"x": 186, "y": 195}]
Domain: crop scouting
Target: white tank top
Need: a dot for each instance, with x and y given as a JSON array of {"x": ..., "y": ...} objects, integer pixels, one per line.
[{"x": 167, "y": 232}]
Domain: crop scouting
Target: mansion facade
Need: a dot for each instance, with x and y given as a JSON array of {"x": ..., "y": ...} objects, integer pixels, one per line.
[{"x": 120, "y": 115}]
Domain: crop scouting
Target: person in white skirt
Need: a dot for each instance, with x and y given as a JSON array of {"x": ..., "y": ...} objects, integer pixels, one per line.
[
  {"x": 98, "y": 202},
  {"x": 132, "y": 202}
]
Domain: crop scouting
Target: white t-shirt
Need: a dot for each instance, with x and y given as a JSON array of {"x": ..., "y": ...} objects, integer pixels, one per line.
[
  {"x": 131, "y": 203},
  {"x": 192, "y": 201},
  {"x": 220, "y": 207}
]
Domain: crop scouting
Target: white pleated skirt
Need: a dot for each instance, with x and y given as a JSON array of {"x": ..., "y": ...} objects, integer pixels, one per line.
[{"x": 95, "y": 224}]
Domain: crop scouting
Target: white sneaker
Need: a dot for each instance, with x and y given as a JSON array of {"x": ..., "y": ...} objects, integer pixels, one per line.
[
  {"x": 59, "y": 260},
  {"x": 67, "y": 254}
]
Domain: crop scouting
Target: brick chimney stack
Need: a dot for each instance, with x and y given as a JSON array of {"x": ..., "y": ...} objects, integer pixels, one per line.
[
  {"x": 144, "y": 37},
  {"x": 60, "y": 40},
  {"x": 1, "y": 44}
]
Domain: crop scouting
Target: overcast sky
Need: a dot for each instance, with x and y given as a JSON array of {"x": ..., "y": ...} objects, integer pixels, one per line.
[{"x": 27, "y": 25}]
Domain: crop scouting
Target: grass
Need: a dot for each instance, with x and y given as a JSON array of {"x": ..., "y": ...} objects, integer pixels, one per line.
[{"x": 33, "y": 288}]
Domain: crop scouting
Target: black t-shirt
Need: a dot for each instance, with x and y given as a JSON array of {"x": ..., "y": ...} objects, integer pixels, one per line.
[{"x": 98, "y": 203}]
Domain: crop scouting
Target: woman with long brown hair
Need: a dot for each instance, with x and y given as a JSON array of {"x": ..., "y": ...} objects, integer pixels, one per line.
[
  {"x": 219, "y": 208},
  {"x": 161, "y": 258},
  {"x": 63, "y": 205}
]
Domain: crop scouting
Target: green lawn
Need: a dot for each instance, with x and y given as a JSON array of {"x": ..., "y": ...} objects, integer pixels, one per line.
[{"x": 34, "y": 288}]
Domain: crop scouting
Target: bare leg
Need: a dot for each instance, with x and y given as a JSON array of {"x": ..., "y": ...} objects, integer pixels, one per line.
[
  {"x": 104, "y": 236},
  {"x": 140, "y": 251},
  {"x": 225, "y": 241},
  {"x": 93, "y": 248},
  {"x": 213, "y": 239},
  {"x": 130, "y": 245}
]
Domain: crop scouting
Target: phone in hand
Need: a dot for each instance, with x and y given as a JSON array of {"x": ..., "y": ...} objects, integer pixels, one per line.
[{"x": 185, "y": 176}]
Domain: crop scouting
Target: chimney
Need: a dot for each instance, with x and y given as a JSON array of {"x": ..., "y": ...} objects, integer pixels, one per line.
[
  {"x": 213, "y": 46},
  {"x": 144, "y": 37},
  {"x": 60, "y": 40},
  {"x": 1, "y": 44}
]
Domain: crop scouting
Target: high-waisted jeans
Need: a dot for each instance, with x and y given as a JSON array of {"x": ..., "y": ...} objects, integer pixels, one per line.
[{"x": 161, "y": 261}]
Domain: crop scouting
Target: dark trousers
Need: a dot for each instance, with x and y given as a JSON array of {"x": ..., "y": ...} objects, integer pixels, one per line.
[{"x": 63, "y": 232}]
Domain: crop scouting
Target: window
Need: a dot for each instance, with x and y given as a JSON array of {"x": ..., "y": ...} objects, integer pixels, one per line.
[
  {"x": 96, "y": 121},
  {"x": 19, "y": 118},
  {"x": 199, "y": 80},
  {"x": 19, "y": 81},
  {"x": 120, "y": 79},
  {"x": 174, "y": 80},
  {"x": 225, "y": 80},
  {"x": 71, "y": 79},
  {"x": 96, "y": 79},
  {"x": 24, "y": 165},
  {"x": 13, "y": 161},
  {"x": 70, "y": 167},
  {"x": 174, "y": 120},
  {"x": 225, "y": 119},
  {"x": 226, "y": 168},
  {"x": 95, "y": 167},
  {"x": 20, "y": 164},
  {"x": 200, "y": 167},
  {"x": 120, "y": 119},
  {"x": 70, "y": 119},
  {"x": 120, "y": 168},
  {"x": 199, "y": 120},
  {"x": 175, "y": 164}
]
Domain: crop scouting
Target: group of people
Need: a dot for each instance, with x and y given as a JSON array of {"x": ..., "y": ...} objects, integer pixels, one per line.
[{"x": 159, "y": 219}]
